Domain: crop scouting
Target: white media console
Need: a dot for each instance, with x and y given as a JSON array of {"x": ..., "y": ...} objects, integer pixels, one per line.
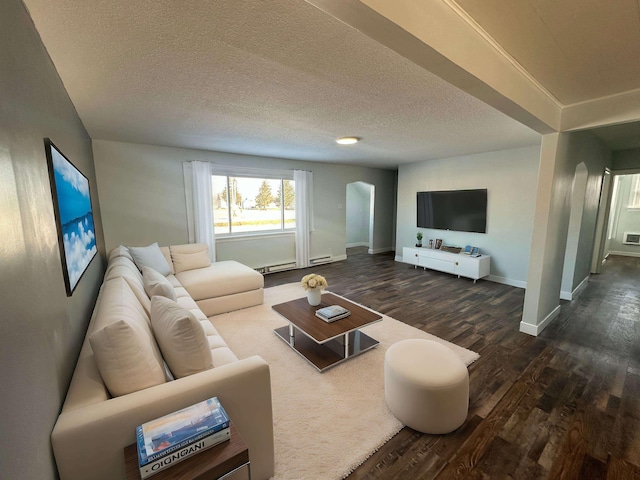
[{"x": 455, "y": 263}]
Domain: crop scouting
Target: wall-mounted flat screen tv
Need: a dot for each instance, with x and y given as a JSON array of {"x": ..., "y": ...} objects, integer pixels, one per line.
[{"x": 459, "y": 210}]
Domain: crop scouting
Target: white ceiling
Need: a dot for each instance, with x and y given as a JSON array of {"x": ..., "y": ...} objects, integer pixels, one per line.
[{"x": 284, "y": 79}]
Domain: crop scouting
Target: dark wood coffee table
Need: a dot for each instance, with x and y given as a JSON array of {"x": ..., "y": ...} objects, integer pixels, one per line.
[{"x": 323, "y": 344}]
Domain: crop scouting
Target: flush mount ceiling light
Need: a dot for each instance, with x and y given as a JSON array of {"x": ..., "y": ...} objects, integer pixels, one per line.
[{"x": 347, "y": 140}]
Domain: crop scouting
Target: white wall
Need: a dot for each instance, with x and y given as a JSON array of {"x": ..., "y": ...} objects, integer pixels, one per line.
[
  {"x": 141, "y": 191},
  {"x": 510, "y": 178},
  {"x": 358, "y": 214}
]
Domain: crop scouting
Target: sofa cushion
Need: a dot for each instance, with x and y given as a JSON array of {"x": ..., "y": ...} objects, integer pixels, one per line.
[
  {"x": 190, "y": 257},
  {"x": 120, "y": 267},
  {"x": 220, "y": 279},
  {"x": 181, "y": 338},
  {"x": 126, "y": 358},
  {"x": 120, "y": 251},
  {"x": 150, "y": 256},
  {"x": 167, "y": 256},
  {"x": 157, "y": 284}
]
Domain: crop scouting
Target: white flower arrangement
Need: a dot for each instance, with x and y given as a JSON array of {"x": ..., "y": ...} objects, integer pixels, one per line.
[{"x": 312, "y": 281}]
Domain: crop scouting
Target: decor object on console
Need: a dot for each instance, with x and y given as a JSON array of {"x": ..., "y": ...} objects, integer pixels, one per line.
[
  {"x": 471, "y": 250},
  {"x": 313, "y": 285},
  {"x": 419, "y": 237},
  {"x": 94, "y": 427},
  {"x": 74, "y": 216}
]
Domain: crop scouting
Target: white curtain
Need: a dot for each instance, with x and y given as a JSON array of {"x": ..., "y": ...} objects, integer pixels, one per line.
[
  {"x": 304, "y": 215},
  {"x": 203, "y": 206}
]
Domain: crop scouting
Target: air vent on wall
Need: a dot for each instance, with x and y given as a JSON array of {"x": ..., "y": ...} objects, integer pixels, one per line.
[{"x": 631, "y": 238}]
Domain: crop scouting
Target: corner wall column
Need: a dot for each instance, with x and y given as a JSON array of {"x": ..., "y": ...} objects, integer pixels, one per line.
[{"x": 550, "y": 229}]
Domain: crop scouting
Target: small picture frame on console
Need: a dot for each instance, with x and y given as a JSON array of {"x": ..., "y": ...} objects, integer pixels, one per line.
[
  {"x": 431, "y": 243},
  {"x": 438, "y": 243},
  {"x": 471, "y": 250}
]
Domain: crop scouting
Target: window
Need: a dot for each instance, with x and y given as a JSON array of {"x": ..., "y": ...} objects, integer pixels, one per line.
[
  {"x": 634, "y": 196},
  {"x": 252, "y": 204}
]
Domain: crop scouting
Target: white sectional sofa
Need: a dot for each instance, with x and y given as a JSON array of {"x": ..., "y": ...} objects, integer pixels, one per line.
[{"x": 124, "y": 375}]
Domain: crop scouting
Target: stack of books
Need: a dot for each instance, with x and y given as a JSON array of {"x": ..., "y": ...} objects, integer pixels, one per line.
[
  {"x": 332, "y": 313},
  {"x": 172, "y": 438}
]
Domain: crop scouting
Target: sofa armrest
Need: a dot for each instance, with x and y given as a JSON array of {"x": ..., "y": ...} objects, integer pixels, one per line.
[{"x": 88, "y": 442}]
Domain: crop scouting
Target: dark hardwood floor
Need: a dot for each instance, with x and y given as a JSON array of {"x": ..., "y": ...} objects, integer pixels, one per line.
[{"x": 564, "y": 405}]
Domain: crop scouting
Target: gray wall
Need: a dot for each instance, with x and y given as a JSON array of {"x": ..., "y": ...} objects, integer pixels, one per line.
[
  {"x": 578, "y": 195},
  {"x": 142, "y": 195},
  {"x": 509, "y": 176},
  {"x": 626, "y": 159},
  {"x": 41, "y": 329}
]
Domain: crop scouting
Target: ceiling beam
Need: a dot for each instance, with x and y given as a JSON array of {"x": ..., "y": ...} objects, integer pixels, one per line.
[{"x": 438, "y": 37}]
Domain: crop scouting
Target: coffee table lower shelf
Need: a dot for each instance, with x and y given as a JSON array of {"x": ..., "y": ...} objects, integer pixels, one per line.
[{"x": 330, "y": 353}]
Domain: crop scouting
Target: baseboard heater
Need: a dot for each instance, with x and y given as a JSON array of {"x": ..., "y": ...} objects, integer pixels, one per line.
[
  {"x": 319, "y": 260},
  {"x": 277, "y": 268},
  {"x": 631, "y": 238}
]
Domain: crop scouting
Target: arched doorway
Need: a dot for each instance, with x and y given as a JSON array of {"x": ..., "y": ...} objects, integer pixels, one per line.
[{"x": 359, "y": 215}]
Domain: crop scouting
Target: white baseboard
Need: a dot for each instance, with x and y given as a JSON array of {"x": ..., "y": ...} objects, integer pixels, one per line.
[
  {"x": 357, "y": 244},
  {"x": 380, "y": 250},
  {"x": 398, "y": 258},
  {"x": 507, "y": 281},
  {"x": 624, "y": 254},
  {"x": 576, "y": 291},
  {"x": 536, "y": 329}
]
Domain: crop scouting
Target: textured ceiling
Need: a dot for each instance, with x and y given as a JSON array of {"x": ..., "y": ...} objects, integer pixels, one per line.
[
  {"x": 578, "y": 50},
  {"x": 284, "y": 79},
  {"x": 278, "y": 78}
]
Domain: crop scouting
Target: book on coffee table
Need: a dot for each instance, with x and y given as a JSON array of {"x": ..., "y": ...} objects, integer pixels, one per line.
[{"x": 332, "y": 313}]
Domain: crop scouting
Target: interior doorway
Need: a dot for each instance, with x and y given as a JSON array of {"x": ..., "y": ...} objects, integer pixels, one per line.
[
  {"x": 360, "y": 215},
  {"x": 623, "y": 226}
]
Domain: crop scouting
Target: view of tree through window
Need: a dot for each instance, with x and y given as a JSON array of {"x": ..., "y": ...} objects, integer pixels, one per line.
[{"x": 248, "y": 204}]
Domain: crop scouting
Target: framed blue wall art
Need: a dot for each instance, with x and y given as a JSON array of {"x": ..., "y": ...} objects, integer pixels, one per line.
[{"x": 74, "y": 216}]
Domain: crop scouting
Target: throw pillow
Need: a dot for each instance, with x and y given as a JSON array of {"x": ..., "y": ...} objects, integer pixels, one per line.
[
  {"x": 150, "y": 256},
  {"x": 180, "y": 337},
  {"x": 190, "y": 257},
  {"x": 125, "y": 358},
  {"x": 157, "y": 284}
]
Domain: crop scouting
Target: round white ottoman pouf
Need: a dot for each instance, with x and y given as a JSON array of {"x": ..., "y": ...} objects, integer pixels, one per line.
[{"x": 426, "y": 386}]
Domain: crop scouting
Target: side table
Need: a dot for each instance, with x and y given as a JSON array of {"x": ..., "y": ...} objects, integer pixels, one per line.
[{"x": 213, "y": 463}]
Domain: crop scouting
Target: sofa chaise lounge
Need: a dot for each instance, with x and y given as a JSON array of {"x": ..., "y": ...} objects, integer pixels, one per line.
[{"x": 112, "y": 392}]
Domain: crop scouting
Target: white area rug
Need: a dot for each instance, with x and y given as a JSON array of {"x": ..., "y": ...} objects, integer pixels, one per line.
[{"x": 325, "y": 424}]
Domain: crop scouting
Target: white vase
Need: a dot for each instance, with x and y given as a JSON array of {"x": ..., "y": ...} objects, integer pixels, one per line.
[{"x": 314, "y": 296}]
